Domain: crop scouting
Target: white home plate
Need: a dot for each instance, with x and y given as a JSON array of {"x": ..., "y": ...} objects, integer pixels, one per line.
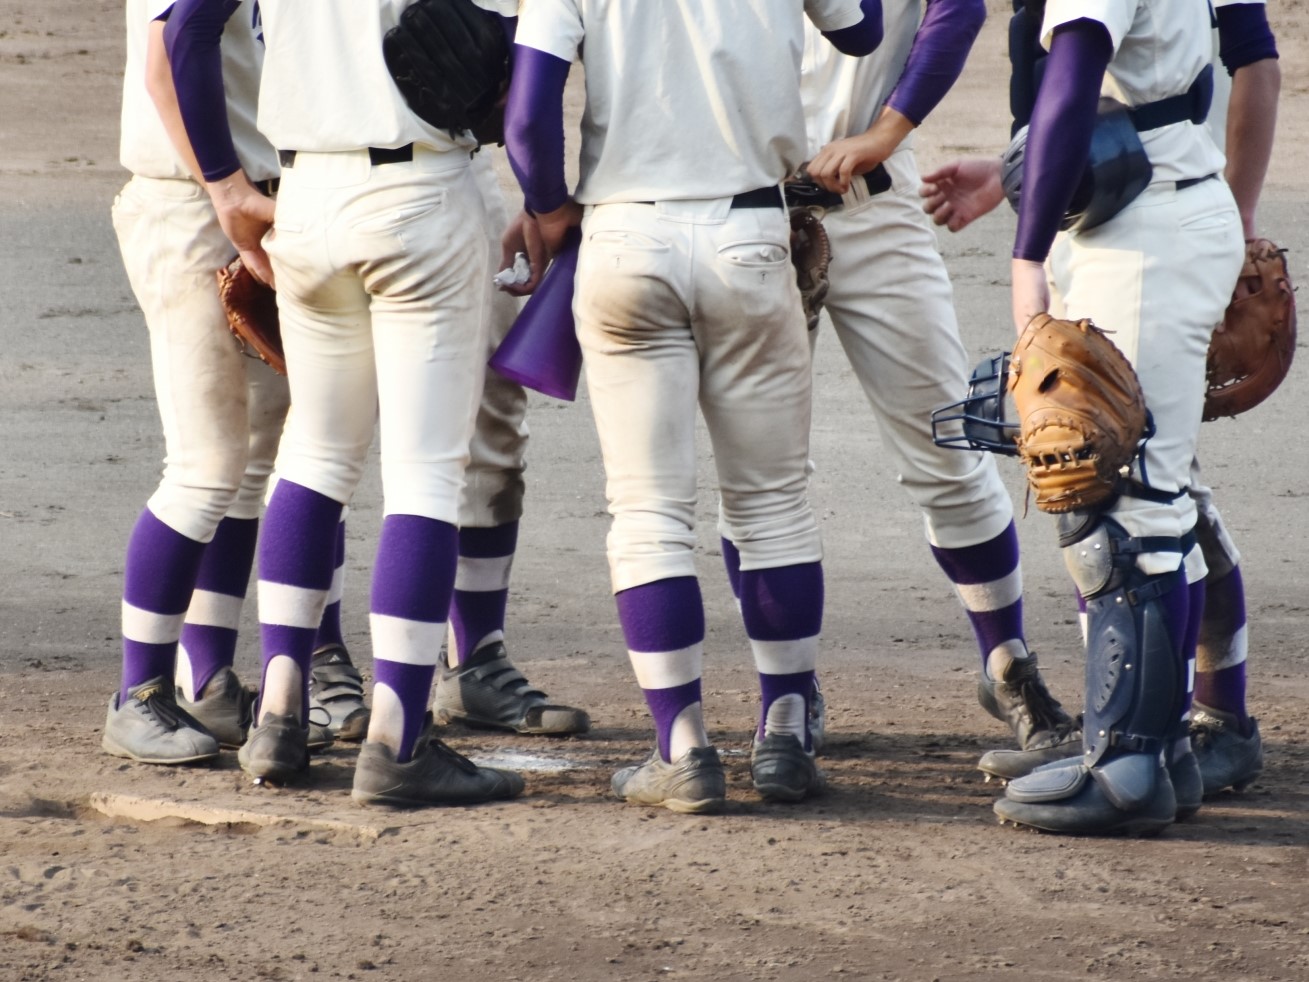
[{"x": 518, "y": 760}]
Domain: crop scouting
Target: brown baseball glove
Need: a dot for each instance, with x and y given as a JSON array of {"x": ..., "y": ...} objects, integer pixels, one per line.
[
  {"x": 251, "y": 309},
  {"x": 1080, "y": 409},
  {"x": 1250, "y": 352},
  {"x": 811, "y": 254}
]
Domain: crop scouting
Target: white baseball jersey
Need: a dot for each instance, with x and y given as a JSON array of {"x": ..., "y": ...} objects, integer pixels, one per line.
[
  {"x": 144, "y": 147},
  {"x": 1160, "y": 46},
  {"x": 659, "y": 83},
  {"x": 309, "y": 45},
  {"x": 842, "y": 94}
]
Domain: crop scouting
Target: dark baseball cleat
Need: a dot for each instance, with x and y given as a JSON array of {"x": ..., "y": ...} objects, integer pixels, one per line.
[
  {"x": 1010, "y": 765},
  {"x": 1022, "y": 702},
  {"x": 488, "y": 691},
  {"x": 817, "y": 719},
  {"x": 1227, "y": 758},
  {"x": 150, "y": 727},
  {"x": 225, "y": 707},
  {"x": 1129, "y": 795},
  {"x": 783, "y": 771},
  {"x": 276, "y": 750},
  {"x": 336, "y": 686},
  {"x": 693, "y": 784},
  {"x": 435, "y": 775}
]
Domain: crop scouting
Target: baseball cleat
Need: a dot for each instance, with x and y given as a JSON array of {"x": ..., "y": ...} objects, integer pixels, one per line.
[
  {"x": 817, "y": 719},
  {"x": 225, "y": 707},
  {"x": 434, "y": 775},
  {"x": 336, "y": 686},
  {"x": 1131, "y": 794},
  {"x": 151, "y": 728},
  {"x": 277, "y": 749},
  {"x": 783, "y": 771},
  {"x": 693, "y": 784},
  {"x": 1022, "y": 702},
  {"x": 487, "y": 691},
  {"x": 1227, "y": 758}
]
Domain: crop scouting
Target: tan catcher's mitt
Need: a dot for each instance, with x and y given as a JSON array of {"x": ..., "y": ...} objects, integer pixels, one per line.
[
  {"x": 1080, "y": 408},
  {"x": 251, "y": 309},
  {"x": 1250, "y": 352},
  {"x": 811, "y": 254}
]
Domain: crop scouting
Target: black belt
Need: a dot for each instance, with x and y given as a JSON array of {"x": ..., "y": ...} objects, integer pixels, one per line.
[
  {"x": 802, "y": 193},
  {"x": 269, "y": 187},
  {"x": 376, "y": 155},
  {"x": 758, "y": 198},
  {"x": 1191, "y": 182}
]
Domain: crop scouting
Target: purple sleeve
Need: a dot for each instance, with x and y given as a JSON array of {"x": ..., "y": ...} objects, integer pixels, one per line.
[
  {"x": 940, "y": 49},
  {"x": 193, "y": 38},
  {"x": 1059, "y": 139},
  {"x": 534, "y": 127},
  {"x": 862, "y": 38},
  {"x": 1244, "y": 36}
]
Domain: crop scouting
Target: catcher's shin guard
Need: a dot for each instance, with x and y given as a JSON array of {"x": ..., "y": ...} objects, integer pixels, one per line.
[{"x": 1135, "y": 686}]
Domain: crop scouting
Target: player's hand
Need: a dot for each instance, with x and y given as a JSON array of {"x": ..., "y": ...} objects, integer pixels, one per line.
[
  {"x": 554, "y": 225},
  {"x": 523, "y": 235},
  {"x": 246, "y": 216},
  {"x": 841, "y": 161},
  {"x": 962, "y": 191},
  {"x": 1031, "y": 292}
]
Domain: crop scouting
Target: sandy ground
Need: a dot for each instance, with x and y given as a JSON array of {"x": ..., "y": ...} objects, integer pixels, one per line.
[{"x": 118, "y": 871}]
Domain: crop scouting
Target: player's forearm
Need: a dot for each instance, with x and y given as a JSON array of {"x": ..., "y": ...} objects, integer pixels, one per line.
[
  {"x": 1059, "y": 141},
  {"x": 862, "y": 38},
  {"x": 159, "y": 83},
  {"x": 192, "y": 37},
  {"x": 1251, "y": 125},
  {"x": 534, "y": 128},
  {"x": 937, "y": 57}
]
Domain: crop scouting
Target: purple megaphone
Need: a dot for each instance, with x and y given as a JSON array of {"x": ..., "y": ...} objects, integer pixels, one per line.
[{"x": 541, "y": 350}]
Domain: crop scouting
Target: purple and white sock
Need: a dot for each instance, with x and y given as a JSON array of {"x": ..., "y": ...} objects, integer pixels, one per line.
[
  {"x": 159, "y": 575},
  {"x": 296, "y": 554},
  {"x": 1194, "y": 615},
  {"x": 732, "y": 562},
  {"x": 329, "y": 628},
  {"x": 988, "y": 579},
  {"x": 413, "y": 579},
  {"x": 783, "y": 613},
  {"x": 477, "y": 613},
  {"x": 214, "y": 616},
  {"x": 1223, "y": 647},
  {"x": 663, "y": 624}
]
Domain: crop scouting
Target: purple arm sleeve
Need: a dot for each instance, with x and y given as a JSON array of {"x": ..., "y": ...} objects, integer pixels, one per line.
[
  {"x": 940, "y": 49},
  {"x": 534, "y": 128},
  {"x": 862, "y": 38},
  {"x": 1059, "y": 141},
  {"x": 193, "y": 38},
  {"x": 1244, "y": 36}
]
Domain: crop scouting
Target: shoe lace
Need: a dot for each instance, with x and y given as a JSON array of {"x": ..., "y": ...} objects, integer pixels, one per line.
[
  {"x": 1043, "y": 709},
  {"x": 440, "y": 748},
  {"x": 161, "y": 702}
]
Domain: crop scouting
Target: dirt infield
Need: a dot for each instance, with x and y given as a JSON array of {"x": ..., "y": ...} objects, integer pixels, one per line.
[{"x": 116, "y": 871}]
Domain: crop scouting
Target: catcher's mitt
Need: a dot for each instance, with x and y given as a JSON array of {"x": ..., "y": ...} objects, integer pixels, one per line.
[
  {"x": 1250, "y": 352},
  {"x": 450, "y": 61},
  {"x": 251, "y": 309},
  {"x": 811, "y": 254},
  {"x": 1080, "y": 408}
]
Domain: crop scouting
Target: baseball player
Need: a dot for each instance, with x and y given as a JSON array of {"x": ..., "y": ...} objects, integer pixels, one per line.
[
  {"x": 685, "y": 296},
  {"x": 380, "y": 251},
  {"x": 1159, "y": 273},
  {"x": 891, "y": 304},
  {"x": 1225, "y": 737}
]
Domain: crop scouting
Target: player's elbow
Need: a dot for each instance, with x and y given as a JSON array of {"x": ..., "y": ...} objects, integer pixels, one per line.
[{"x": 862, "y": 38}]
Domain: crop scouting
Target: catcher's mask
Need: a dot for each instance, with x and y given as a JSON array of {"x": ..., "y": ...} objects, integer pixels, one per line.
[
  {"x": 1117, "y": 170},
  {"x": 981, "y": 413}
]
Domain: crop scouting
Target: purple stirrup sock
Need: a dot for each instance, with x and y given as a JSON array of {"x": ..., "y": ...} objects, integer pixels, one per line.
[
  {"x": 988, "y": 581},
  {"x": 481, "y": 593},
  {"x": 1194, "y": 613},
  {"x": 1220, "y": 678},
  {"x": 210, "y": 632},
  {"x": 782, "y": 609},
  {"x": 159, "y": 575},
  {"x": 664, "y": 616},
  {"x": 296, "y": 553},
  {"x": 732, "y": 562},
  {"x": 413, "y": 579},
  {"x": 329, "y": 628}
]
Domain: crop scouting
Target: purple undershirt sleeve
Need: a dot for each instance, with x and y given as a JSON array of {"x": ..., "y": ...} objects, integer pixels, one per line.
[
  {"x": 534, "y": 128},
  {"x": 1059, "y": 140},
  {"x": 1244, "y": 36},
  {"x": 940, "y": 49},
  {"x": 862, "y": 38},
  {"x": 193, "y": 39}
]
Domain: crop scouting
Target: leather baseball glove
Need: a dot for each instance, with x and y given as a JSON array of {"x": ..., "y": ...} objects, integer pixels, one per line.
[
  {"x": 251, "y": 309},
  {"x": 1080, "y": 408},
  {"x": 811, "y": 254},
  {"x": 1250, "y": 352},
  {"x": 450, "y": 61}
]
